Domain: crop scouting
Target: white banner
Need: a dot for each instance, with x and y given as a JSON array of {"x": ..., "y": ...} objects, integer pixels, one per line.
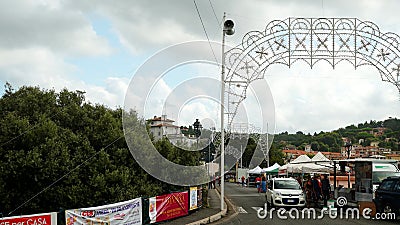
[
  {"x": 193, "y": 198},
  {"x": 121, "y": 213}
]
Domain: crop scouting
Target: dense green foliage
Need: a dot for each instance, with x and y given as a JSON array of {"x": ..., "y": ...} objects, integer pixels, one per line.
[
  {"x": 332, "y": 141},
  {"x": 58, "y": 151}
]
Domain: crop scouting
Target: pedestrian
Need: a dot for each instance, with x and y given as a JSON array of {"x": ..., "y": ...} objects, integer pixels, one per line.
[
  {"x": 213, "y": 182},
  {"x": 258, "y": 184},
  {"x": 325, "y": 189},
  {"x": 263, "y": 184},
  {"x": 243, "y": 178},
  {"x": 308, "y": 187},
  {"x": 316, "y": 189},
  {"x": 299, "y": 181}
]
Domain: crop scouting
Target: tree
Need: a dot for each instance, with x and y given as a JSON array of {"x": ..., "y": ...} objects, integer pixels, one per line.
[
  {"x": 248, "y": 151},
  {"x": 275, "y": 156},
  {"x": 66, "y": 152},
  {"x": 364, "y": 135},
  {"x": 315, "y": 146}
]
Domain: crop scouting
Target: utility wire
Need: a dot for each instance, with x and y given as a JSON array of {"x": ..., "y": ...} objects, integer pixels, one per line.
[
  {"x": 204, "y": 29},
  {"x": 216, "y": 17},
  {"x": 31, "y": 128},
  {"x": 65, "y": 175}
]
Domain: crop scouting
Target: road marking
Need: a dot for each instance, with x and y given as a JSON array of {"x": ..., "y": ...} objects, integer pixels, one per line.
[
  {"x": 257, "y": 208},
  {"x": 241, "y": 210}
]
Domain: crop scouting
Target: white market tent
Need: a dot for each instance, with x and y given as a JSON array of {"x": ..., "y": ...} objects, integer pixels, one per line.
[
  {"x": 303, "y": 164},
  {"x": 271, "y": 168},
  {"x": 295, "y": 165},
  {"x": 274, "y": 169},
  {"x": 301, "y": 159},
  {"x": 319, "y": 157},
  {"x": 256, "y": 170},
  {"x": 315, "y": 168},
  {"x": 320, "y": 164}
]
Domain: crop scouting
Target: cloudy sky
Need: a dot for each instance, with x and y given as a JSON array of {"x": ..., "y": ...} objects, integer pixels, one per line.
[{"x": 97, "y": 46}]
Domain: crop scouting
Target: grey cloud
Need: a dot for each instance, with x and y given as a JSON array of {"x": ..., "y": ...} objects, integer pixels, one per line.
[{"x": 25, "y": 25}]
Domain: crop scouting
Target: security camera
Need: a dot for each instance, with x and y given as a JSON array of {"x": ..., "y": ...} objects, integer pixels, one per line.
[{"x": 228, "y": 27}]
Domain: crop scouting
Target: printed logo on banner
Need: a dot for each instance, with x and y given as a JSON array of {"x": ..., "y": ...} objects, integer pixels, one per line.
[
  {"x": 128, "y": 212},
  {"x": 36, "y": 219}
]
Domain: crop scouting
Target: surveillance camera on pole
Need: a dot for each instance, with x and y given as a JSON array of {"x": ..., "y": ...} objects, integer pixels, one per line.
[
  {"x": 228, "y": 30},
  {"x": 228, "y": 27}
]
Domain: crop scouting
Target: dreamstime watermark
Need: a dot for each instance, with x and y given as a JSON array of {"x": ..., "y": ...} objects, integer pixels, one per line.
[
  {"x": 332, "y": 213},
  {"x": 141, "y": 102}
]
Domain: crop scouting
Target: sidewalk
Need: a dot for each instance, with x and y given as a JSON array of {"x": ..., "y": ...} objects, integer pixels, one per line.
[{"x": 203, "y": 215}]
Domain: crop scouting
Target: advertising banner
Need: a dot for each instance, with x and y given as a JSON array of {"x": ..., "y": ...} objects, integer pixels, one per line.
[
  {"x": 126, "y": 213},
  {"x": 36, "y": 219},
  {"x": 169, "y": 206},
  {"x": 193, "y": 198}
]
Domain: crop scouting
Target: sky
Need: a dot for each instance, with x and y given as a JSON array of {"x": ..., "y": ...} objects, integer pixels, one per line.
[{"x": 98, "y": 47}]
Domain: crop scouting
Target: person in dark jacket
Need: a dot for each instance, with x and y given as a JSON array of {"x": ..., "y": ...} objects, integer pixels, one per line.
[
  {"x": 316, "y": 189},
  {"x": 326, "y": 186},
  {"x": 308, "y": 188}
]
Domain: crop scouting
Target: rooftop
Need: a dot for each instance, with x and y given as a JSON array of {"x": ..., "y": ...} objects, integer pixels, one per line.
[{"x": 161, "y": 118}]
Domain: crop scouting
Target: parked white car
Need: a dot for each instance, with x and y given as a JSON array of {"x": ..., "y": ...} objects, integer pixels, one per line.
[{"x": 284, "y": 192}]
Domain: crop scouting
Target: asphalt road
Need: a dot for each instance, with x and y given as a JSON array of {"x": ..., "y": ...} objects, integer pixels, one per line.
[{"x": 247, "y": 201}]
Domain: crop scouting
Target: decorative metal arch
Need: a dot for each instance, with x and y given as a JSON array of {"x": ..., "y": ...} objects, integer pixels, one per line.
[{"x": 310, "y": 40}]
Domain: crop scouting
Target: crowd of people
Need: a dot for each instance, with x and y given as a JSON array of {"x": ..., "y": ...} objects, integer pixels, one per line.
[{"x": 317, "y": 189}]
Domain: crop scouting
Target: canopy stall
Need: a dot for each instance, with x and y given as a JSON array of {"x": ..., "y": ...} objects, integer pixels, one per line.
[
  {"x": 296, "y": 164},
  {"x": 256, "y": 170},
  {"x": 272, "y": 170},
  {"x": 315, "y": 168},
  {"x": 303, "y": 164},
  {"x": 319, "y": 157}
]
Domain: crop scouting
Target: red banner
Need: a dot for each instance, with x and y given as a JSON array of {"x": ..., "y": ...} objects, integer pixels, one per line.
[
  {"x": 37, "y": 219},
  {"x": 169, "y": 206}
]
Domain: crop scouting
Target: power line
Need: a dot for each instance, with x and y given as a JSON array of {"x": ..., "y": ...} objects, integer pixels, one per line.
[
  {"x": 65, "y": 175},
  {"x": 216, "y": 17},
  {"x": 31, "y": 128},
  {"x": 204, "y": 29}
]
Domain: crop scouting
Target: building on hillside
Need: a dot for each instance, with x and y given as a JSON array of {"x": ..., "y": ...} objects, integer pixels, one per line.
[
  {"x": 377, "y": 132},
  {"x": 162, "y": 127},
  {"x": 359, "y": 151},
  {"x": 375, "y": 144}
]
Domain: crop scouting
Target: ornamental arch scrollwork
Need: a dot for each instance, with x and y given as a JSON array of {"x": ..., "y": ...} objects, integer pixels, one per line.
[{"x": 309, "y": 40}]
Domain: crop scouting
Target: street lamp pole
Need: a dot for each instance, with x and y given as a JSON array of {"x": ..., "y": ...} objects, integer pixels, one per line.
[
  {"x": 227, "y": 29},
  {"x": 348, "y": 147}
]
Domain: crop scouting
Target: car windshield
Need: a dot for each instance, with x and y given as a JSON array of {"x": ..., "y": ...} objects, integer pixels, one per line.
[
  {"x": 287, "y": 184},
  {"x": 378, "y": 177}
]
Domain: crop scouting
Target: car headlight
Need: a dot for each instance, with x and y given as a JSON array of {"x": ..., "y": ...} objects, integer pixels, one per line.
[
  {"x": 301, "y": 194},
  {"x": 278, "y": 194}
]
